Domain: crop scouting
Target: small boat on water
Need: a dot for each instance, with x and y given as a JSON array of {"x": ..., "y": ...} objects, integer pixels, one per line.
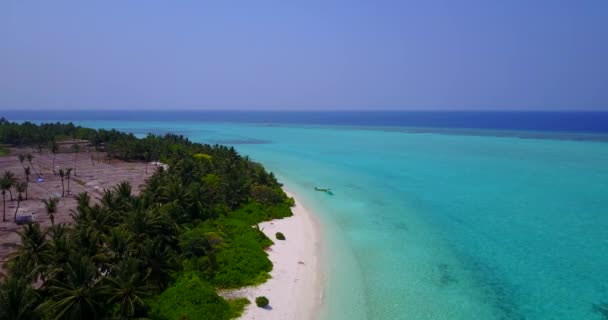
[{"x": 326, "y": 190}]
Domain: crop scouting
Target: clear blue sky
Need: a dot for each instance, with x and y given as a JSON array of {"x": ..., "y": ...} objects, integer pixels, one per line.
[{"x": 427, "y": 54}]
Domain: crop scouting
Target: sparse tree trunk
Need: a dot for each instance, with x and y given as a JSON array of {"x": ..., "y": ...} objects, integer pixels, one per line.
[
  {"x": 54, "y": 155},
  {"x": 35, "y": 171},
  {"x": 62, "y": 188},
  {"x": 17, "y": 210},
  {"x": 11, "y": 193},
  {"x": 68, "y": 185},
  {"x": 4, "y": 206}
]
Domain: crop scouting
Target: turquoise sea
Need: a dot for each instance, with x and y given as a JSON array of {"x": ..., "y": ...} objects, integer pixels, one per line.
[{"x": 439, "y": 225}]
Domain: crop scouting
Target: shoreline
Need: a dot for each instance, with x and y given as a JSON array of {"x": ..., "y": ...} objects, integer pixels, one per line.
[{"x": 295, "y": 288}]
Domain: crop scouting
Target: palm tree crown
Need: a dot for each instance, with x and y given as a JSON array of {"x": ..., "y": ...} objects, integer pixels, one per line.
[
  {"x": 51, "y": 208},
  {"x": 5, "y": 185},
  {"x": 10, "y": 178},
  {"x": 27, "y": 179},
  {"x": 20, "y": 187}
]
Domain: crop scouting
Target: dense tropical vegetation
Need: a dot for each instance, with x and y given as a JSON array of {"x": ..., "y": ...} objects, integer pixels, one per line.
[{"x": 159, "y": 254}]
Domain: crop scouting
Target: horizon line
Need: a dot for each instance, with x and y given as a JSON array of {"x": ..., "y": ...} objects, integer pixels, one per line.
[{"x": 301, "y": 110}]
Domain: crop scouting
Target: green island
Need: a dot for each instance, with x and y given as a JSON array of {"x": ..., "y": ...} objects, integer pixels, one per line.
[{"x": 161, "y": 253}]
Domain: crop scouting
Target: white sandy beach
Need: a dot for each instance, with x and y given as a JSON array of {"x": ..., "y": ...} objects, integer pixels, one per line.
[{"x": 295, "y": 290}]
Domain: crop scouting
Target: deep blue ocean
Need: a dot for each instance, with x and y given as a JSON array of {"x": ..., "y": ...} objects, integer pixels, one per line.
[
  {"x": 580, "y": 122},
  {"x": 435, "y": 215}
]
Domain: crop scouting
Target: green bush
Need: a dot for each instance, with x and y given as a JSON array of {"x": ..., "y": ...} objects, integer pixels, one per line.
[
  {"x": 199, "y": 242},
  {"x": 230, "y": 250},
  {"x": 201, "y": 156},
  {"x": 290, "y": 202},
  {"x": 266, "y": 194},
  {"x": 242, "y": 261},
  {"x": 280, "y": 236},
  {"x": 254, "y": 212},
  {"x": 262, "y": 302},
  {"x": 237, "y": 306},
  {"x": 191, "y": 298}
]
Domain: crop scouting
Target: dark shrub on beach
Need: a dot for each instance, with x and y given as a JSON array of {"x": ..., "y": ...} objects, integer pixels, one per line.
[
  {"x": 290, "y": 202},
  {"x": 280, "y": 236},
  {"x": 262, "y": 302}
]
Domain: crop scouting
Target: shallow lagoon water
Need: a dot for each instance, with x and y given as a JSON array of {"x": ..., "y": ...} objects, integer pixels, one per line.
[{"x": 440, "y": 226}]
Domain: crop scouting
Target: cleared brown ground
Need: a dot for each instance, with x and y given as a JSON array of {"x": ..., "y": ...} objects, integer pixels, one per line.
[{"x": 90, "y": 177}]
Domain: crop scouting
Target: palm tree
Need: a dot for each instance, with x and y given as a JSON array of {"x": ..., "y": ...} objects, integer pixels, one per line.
[
  {"x": 80, "y": 214},
  {"x": 123, "y": 190},
  {"x": 54, "y": 149},
  {"x": 27, "y": 180},
  {"x": 62, "y": 176},
  {"x": 68, "y": 176},
  {"x": 97, "y": 220},
  {"x": 61, "y": 248},
  {"x": 20, "y": 188},
  {"x": 61, "y": 244},
  {"x": 127, "y": 287},
  {"x": 39, "y": 145},
  {"x": 160, "y": 262},
  {"x": 154, "y": 187},
  {"x": 17, "y": 299},
  {"x": 145, "y": 224},
  {"x": 117, "y": 241},
  {"x": 29, "y": 158},
  {"x": 21, "y": 159},
  {"x": 83, "y": 199},
  {"x": 11, "y": 180},
  {"x": 76, "y": 148},
  {"x": 32, "y": 255},
  {"x": 5, "y": 185},
  {"x": 109, "y": 200},
  {"x": 58, "y": 232},
  {"x": 78, "y": 294},
  {"x": 91, "y": 227},
  {"x": 147, "y": 158},
  {"x": 51, "y": 208}
]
